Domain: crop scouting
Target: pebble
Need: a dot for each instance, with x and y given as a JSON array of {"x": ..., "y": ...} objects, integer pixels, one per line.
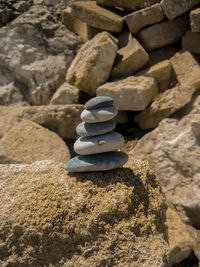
[
  {"x": 98, "y": 144},
  {"x": 98, "y": 162},
  {"x": 99, "y": 102},
  {"x": 92, "y": 129},
  {"x": 99, "y": 114}
]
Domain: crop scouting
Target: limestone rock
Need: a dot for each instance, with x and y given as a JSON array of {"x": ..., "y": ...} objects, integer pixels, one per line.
[
  {"x": 121, "y": 117},
  {"x": 89, "y": 219},
  {"x": 187, "y": 69},
  {"x": 27, "y": 142},
  {"x": 39, "y": 50},
  {"x": 144, "y": 17},
  {"x": 195, "y": 20},
  {"x": 66, "y": 94},
  {"x": 96, "y": 16},
  {"x": 128, "y": 4},
  {"x": 10, "y": 94},
  {"x": 173, "y": 8},
  {"x": 132, "y": 93},
  {"x": 173, "y": 151},
  {"x": 164, "y": 33},
  {"x": 93, "y": 63},
  {"x": 190, "y": 42},
  {"x": 161, "y": 54},
  {"x": 130, "y": 58},
  {"x": 164, "y": 105}
]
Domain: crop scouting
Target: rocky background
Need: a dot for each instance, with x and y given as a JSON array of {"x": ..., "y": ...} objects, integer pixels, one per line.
[{"x": 54, "y": 56}]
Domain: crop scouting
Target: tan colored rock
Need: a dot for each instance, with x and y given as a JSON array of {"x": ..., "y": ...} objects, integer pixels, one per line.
[
  {"x": 130, "y": 58},
  {"x": 121, "y": 117},
  {"x": 173, "y": 8},
  {"x": 191, "y": 41},
  {"x": 195, "y": 20},
  {"x": 97, "y": 16},
  {"x": 144, "y": 17},
  {"x": 164, "y": 33},
  {"x": 164, "y": 105},
  {"x": 132, "y": 93},
  {"x": 111, "y": 218},
  {"x": 10, "y": 94},
  {"x": 27, "y": 142},
  {"x": 128, "y": 4},
  {"x": 161, "y": 54},
  {"x": 187, "y": 69},
  {"x": 66, "y": 94},
  {"x": 93, "y": 63}
]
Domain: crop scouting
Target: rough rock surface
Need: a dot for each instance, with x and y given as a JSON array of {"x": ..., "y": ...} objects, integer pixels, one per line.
[
  {"x": 195, "y": 20},
  {"x": 173, "y": 151},
  {"x": 39, "y": 50},
  {"x": 93, "y": 63},
  {"x": 164, "y": 105},
  {"x": 112, "y": 218},
  {"x": 9, "y": 94},
  {"x": 132, "y": 93},
  {"x": 191, "y": 41},
  {"x": 27, "y": 142},
  {"x": 164, "y": 33}
]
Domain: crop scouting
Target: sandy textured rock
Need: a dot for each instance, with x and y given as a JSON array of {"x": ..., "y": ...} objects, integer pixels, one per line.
[
  {"x": 130, "y": 58},
  {"x": 39, "y": 50},
  {"x": 191, "y": 41},
  {"x": 173, "y": 151},
  {"x": 96, "y": 16},
  {"x": 164, "y": 33},
  {"x": 144, "y": 17},
  {"x": 66, "y": 94},
  {"x": 173, "y": 8},
  {"x": 27, "y": 142},
  {"x": 195, "y": 20},
  {"x": 93, "y": 63},
  {"x": 187, "y": 69},
  {"x": 10, "y": 94},
  {"x": 128, "y": 4},
  {"x": 106, "y": 218},
  {"x": 132, "y": 93},
  {"x": 164, "y": 105}
]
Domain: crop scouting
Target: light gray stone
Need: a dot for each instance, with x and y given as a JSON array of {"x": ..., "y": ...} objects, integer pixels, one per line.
[
  {"x": 195, "y": 20},
  {"x": 10, "y": 94},
  {"x": 99, "y": 114}
]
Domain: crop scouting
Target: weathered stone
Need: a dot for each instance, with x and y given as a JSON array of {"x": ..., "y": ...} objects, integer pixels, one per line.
[
  {"x": 161, "y": 54},
  {"x": 10, "y": 94},
  {"x": 195, "y": 20},
  {"x": 173, "y": 151},
  {"x": 88, "y": 70},
  {"x": 164, "y": 105},
  {"x": 96, "y": 16},
  {"x": 121, "y": 117},
  {"x": 90, "y": 219},
  {"x": 132, "y": 93},
  {"x": 191, "y": 41},
  {"x": 27, "y": 142},
  {"x": 174, "y": 8},
  {"x": 66, "y": 94},
  {"x": 187, "y": 69},
  {"x": 128, "y": 4},
  {"x": 164, "y": 33},
  {"x": 99, "y": 102},
  {"x": 130, "y": 58},
  {"x": 144, "y": 17},
  {"x": 99, "y": 114}
]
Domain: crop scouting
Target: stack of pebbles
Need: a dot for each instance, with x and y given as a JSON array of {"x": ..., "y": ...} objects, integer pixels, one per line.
[{"x": 98, "y": 145}]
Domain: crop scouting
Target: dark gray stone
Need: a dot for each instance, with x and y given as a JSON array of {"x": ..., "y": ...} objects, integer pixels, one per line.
[
  {"x": 98, "y": 162},
  {"x": 93, "y": 129},
  {"x": 98, "y": 102}
]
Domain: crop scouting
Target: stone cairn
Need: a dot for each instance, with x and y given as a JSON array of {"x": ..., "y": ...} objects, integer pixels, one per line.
[{"x": 98, "y": 145}]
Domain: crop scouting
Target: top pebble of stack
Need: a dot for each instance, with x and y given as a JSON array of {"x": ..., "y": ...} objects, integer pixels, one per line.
[{"x": 99, "y": 102}]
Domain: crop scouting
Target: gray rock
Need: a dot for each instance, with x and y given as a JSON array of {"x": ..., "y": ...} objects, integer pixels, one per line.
[
  {"x": 98, "y": 144},
  {"x": 92, "y": 129},
  {"x": 98, "y": 102},
  {"x": 99, "y": 114},
  {"x": 98, "y": 162}
]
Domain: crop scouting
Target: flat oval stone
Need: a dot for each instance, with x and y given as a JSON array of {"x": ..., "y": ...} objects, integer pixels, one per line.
[
  {"x": 92, "y": 129},
  {"x": 98, "y": 144},
  {"x": 98, "y": 162},
  {"x": 99, "y": 102},
  {"x": 99, "y": 114}
]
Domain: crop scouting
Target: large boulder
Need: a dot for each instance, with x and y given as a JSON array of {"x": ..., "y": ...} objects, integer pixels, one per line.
[
  {"x": 27, "y": 142},
  {"x": 93, "y": 63},
  {"x": 39, "y": 50},
  {"x": 52, "y": 218}
]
